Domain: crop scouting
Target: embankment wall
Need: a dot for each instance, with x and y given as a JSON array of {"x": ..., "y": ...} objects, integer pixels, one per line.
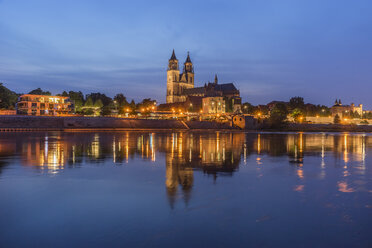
[{"x": 46, "y": 122}]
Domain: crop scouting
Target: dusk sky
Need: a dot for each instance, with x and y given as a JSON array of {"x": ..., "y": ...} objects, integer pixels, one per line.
[{"x": 271, "y": 50}]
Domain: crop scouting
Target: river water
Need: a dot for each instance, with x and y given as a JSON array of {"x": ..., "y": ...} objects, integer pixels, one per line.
[{"x": 185, "y": 189}]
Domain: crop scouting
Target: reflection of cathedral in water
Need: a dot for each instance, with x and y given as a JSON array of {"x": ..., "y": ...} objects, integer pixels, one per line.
[{"x": 213, "y": 153}]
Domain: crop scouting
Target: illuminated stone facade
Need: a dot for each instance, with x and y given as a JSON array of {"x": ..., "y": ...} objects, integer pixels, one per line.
[
  {"x": 345, "y": 110},
  {"x": 180, "y": 89},
  {"x": 214, "y": 105},
  {"x": 177, "y": 82}
]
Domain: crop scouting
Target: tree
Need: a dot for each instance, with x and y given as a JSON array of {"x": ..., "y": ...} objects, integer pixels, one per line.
[
  {"x": 88, "y": 111},
  {"x": 132, "y": 106},
  {"x": 121, "y": 103},
  {"x": 367, "y": 115},
  {"x": 98, "y": 103},
  {"x": 354, "y": 114},
  {"x": 323, "y": 111},
  {"x": 337, "y": 119},
  {"x": 248, "y": 108},
  {"x": 263, "y": 109},
  {"x": 8, "y": 98},
  {"x": 297, "y": 114},
  {"x": 88, "y": 102},
  {"x": 107, "y": 110},
  {"x": 296, "y": 102},
  {"x": 278, "y": 115},
  {"x": 121, "y": 100},
  {"x": 39, "y": 91},
  {"x": 146, "y": 106},
  {"x": 77, "y": 98},
  {"x": 104, "y": 99}
]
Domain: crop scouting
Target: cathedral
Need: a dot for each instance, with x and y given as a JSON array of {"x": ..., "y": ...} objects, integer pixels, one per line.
[
  {"x": 177, "y": 82},
  {"x": 210, "y": 98}
]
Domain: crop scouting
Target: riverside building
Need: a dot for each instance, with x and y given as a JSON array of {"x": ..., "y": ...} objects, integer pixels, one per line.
[
  {"x": 211, "y": 98},
  {"x": 345, "y": 110},
  {"x": 44, "y": 105}
]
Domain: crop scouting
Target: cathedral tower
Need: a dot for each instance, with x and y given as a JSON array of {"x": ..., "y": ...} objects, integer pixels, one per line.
[
  {"x": 188, "y": 70},
  {"x": 173, "y": 74},
  {"x": 176, "y": 82}
]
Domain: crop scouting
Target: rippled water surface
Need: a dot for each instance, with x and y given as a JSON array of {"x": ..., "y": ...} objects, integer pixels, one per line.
[{"x": 185, "y": 189}]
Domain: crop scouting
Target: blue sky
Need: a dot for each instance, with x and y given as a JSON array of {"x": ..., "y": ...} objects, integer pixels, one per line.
[{"x": 271, "y": 50}]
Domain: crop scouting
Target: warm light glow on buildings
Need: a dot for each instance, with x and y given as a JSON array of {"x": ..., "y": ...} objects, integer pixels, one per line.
[{"x": 29, "y": 104}]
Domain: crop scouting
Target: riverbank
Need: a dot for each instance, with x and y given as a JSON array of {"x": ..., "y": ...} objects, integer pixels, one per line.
[
  {"x": 80, "y": 124},
  {"x": 34, "y": 123}
]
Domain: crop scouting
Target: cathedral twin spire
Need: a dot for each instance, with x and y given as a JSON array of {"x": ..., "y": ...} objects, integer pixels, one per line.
[{"x": 187, "y": 65}]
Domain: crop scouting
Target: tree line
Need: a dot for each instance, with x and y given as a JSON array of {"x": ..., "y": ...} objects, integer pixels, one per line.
[
  {"x": 89, "y": 104},
  {"x": 278, "y": 111},
  {"x": 100, "y": 104},
  {"x": 295, "y": 107}
]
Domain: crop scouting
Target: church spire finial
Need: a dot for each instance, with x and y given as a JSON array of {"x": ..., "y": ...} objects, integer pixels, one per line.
[
  {"x": 188, "y": 60},
  {"x": 215, "y": 79},
  {"x": 173, "y": 57}
]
